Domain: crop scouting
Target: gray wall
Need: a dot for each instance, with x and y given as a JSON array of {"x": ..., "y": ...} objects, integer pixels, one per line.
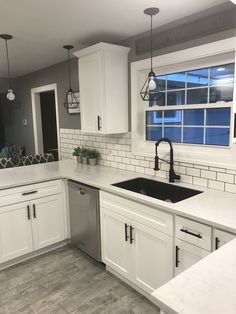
[
  {"x": 58, "y": 73},
  {"x": 208, "y": 26}
]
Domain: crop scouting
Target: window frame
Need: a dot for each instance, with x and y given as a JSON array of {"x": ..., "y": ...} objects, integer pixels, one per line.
[{"x": 204, "y": 56}]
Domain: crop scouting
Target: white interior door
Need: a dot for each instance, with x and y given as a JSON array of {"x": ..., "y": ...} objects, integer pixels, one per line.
[
  {"x": 152, "y": 257},
  {"x": 116, "y": 250},
  {"x": 47, "y": 221},
  {"x": 15, "y": 231},
  {"x": 187, "y": 255}
]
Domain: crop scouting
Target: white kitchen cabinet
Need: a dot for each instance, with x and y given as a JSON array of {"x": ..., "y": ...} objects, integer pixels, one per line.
[
  {"x": 116, "y": 248},
  {"x": 34, "y": 223},
  {"x": 132, "y": 245},
  {"x": 221, "y": 237},
  {"x": 47, "y": 221},
  {"x": 152, "y": 257},
  {"x": 187, "y": 255},
  {"x": 15, "y": 231},
  {"x": 103, "y": 79}
]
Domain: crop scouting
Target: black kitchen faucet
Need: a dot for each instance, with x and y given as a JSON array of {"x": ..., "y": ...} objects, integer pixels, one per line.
[{"x": 172, "y": 175}]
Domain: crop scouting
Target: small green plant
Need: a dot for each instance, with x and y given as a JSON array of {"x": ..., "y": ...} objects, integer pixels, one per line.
[
  {"x": 84, "y": 152},
  {"x": 77, "y": 151},
  {"x": 93, "y": 153}
]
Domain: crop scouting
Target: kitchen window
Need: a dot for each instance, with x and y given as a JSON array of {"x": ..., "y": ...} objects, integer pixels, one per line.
[{"x": 195, "y": 107}]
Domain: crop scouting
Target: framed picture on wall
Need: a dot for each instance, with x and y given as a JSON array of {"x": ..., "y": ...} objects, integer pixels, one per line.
[{"x": 74, "y": 104}]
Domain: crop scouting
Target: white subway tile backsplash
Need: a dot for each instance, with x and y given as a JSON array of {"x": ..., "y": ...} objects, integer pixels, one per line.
[{"x": 115, "y": 152}]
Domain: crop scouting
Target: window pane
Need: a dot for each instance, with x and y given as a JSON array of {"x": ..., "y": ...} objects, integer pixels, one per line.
[
  {"x": 197, "y": 78},
  {"x": 176, "y": 81},
  {"x": 176, "y": 98},
  {"x": 173, "y": 117},
  {"x": 217, "y": 136},
  {"x": 193, "y": 135},
  {"x": 161, "y": 80},
  {"x": 197, "y": 96},
  {"x": 221, "y": 93},
  {"x": 223, "y": 74},
  {"x": 173, "y": 134},
  {"x": 153, "y": 134},
  {"x": 160, "y": 102},
  {"x": 154, "y": 117},
  {"x": 194, "y": 117},
  {"x": 218, "y": 116}
]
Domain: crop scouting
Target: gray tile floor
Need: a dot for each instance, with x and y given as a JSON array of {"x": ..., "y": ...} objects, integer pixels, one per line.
[{"x": 67, "y": 281}]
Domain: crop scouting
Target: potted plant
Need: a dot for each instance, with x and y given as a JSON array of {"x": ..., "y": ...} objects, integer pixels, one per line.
[
  {"x": 84, "y": 155},
  {"x": 77, "y": 153},
  {"x": 93, "y": 155}
]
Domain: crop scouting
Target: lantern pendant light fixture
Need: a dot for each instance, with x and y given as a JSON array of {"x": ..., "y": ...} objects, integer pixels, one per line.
[
  {"x": 71, "y": 100},
  {"x": 151, "y": 89},
  {"x": 10, "y": 93}
]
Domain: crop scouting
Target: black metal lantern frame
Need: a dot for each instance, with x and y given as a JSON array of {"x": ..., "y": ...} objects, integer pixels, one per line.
[
  {"x": 151, "y": 90},
  {"x": 72, "y": 101}
]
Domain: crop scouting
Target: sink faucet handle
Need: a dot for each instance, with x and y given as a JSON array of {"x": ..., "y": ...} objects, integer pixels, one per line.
[{"x": 156, "y": 166}]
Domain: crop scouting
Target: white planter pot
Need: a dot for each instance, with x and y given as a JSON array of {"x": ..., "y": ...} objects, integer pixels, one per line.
[
  {"x": 85, "y": 160},
  {"x": 92, "y": 161},
  {"x": 79, "y": 159}
]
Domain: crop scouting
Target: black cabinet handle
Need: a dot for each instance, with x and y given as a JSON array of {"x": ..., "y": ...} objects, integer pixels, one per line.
[
  {"x": 217, "y": 241},
  {"x": 34, "y": 211},
  {"x": 28, "y": 212},
  {"x": 191, "y": 233},
  {"x": 99, "y": 125},
  {"x": 28, "y": 193},
  {"x": 131, "y": 234},
  {"x": 177, "y": 256},
  {"x": 126, "y": 232}
]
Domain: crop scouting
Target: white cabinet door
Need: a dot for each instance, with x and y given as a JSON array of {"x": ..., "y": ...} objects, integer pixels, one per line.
[
  {"x": 221, "y": 238},
  {"x": 187, "y": 255},
  {"x": 91, "y": 97},
  {"x": 116, "y": 250},
  {"x": 15, "y": 231},
  {"x": 47, "y": 221},
  {"x": 152, "y": 257}
]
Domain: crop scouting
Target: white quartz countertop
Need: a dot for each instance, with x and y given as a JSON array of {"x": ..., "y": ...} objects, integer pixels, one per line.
[
  {"x": 211, "y": 207},
  {"x": 208, "y": 287}
]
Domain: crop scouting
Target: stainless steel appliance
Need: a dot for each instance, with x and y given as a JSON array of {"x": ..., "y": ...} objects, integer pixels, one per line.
[{"x": 85, "y": 218}]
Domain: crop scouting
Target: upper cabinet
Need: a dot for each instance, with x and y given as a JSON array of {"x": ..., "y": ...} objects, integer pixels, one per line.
[{"x": 103, "y": 79}]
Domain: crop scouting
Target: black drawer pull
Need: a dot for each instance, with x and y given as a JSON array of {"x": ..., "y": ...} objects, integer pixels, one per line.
[
  {"x": 28, "y": 193},
  {"x": 34, "y": 211},
  {"x": 126, "y": 232},
  {"x": 177, "y": 256},
  {"x": 99, "y": 125},
  {"x": 28, "y": 212},
  {"x": 217, "y": 241},
  {"x": 131, "y": 234},
  {"x": 191, "y": 233}
]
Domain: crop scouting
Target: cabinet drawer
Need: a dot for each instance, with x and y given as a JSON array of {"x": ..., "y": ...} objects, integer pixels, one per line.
[
  {"x": 144, "y": 214},
  {"x": 193, "y": 232},
  {"x": 28, "y": 192}
]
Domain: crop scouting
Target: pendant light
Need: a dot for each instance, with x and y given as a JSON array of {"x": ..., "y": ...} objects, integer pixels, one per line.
[
  {"x": 151, "y": 89},
  {"x": 71, "y": 99},
  {"x": 10, "y": 93}
]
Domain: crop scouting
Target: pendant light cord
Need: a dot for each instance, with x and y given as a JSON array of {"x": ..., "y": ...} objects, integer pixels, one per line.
[
  {"x": 151, "y": 44},
  {"x": 69, "y": 72},
  {"x": 8, "y": 66}
]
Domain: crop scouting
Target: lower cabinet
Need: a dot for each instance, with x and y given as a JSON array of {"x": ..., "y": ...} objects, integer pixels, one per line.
[
  {"x": 187, "y": 255},
  {"x": 139, "y": 253},
  {"x": 15, "y": 231},
  {"x": 221, "y": 238},
  {"x": 29, "y": 226}
]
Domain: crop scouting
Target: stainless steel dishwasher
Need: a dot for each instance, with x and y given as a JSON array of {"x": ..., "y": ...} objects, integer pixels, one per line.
[{"x": 85, "y": 218}]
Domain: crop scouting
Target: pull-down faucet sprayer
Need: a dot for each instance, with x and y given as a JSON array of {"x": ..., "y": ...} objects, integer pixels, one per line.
[{"x": 172, "y": 174}]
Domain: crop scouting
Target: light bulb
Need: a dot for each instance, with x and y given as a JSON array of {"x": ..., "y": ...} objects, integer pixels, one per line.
[
  {"x": 152, "y": 84},
  {"x": 10, "y": 94}
]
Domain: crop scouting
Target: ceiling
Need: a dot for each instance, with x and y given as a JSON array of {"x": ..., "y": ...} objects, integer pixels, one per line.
[{"x": 41, "y": 27}]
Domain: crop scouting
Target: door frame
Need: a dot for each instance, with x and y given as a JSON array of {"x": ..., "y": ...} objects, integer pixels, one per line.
[{"x": 36, "y": 112}]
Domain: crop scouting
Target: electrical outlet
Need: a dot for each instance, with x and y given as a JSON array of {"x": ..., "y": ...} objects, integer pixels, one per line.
[{"x": 25, "y": 122}]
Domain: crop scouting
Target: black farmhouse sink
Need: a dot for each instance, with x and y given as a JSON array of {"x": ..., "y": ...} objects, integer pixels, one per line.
[{"x": 160, "y": 190}]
